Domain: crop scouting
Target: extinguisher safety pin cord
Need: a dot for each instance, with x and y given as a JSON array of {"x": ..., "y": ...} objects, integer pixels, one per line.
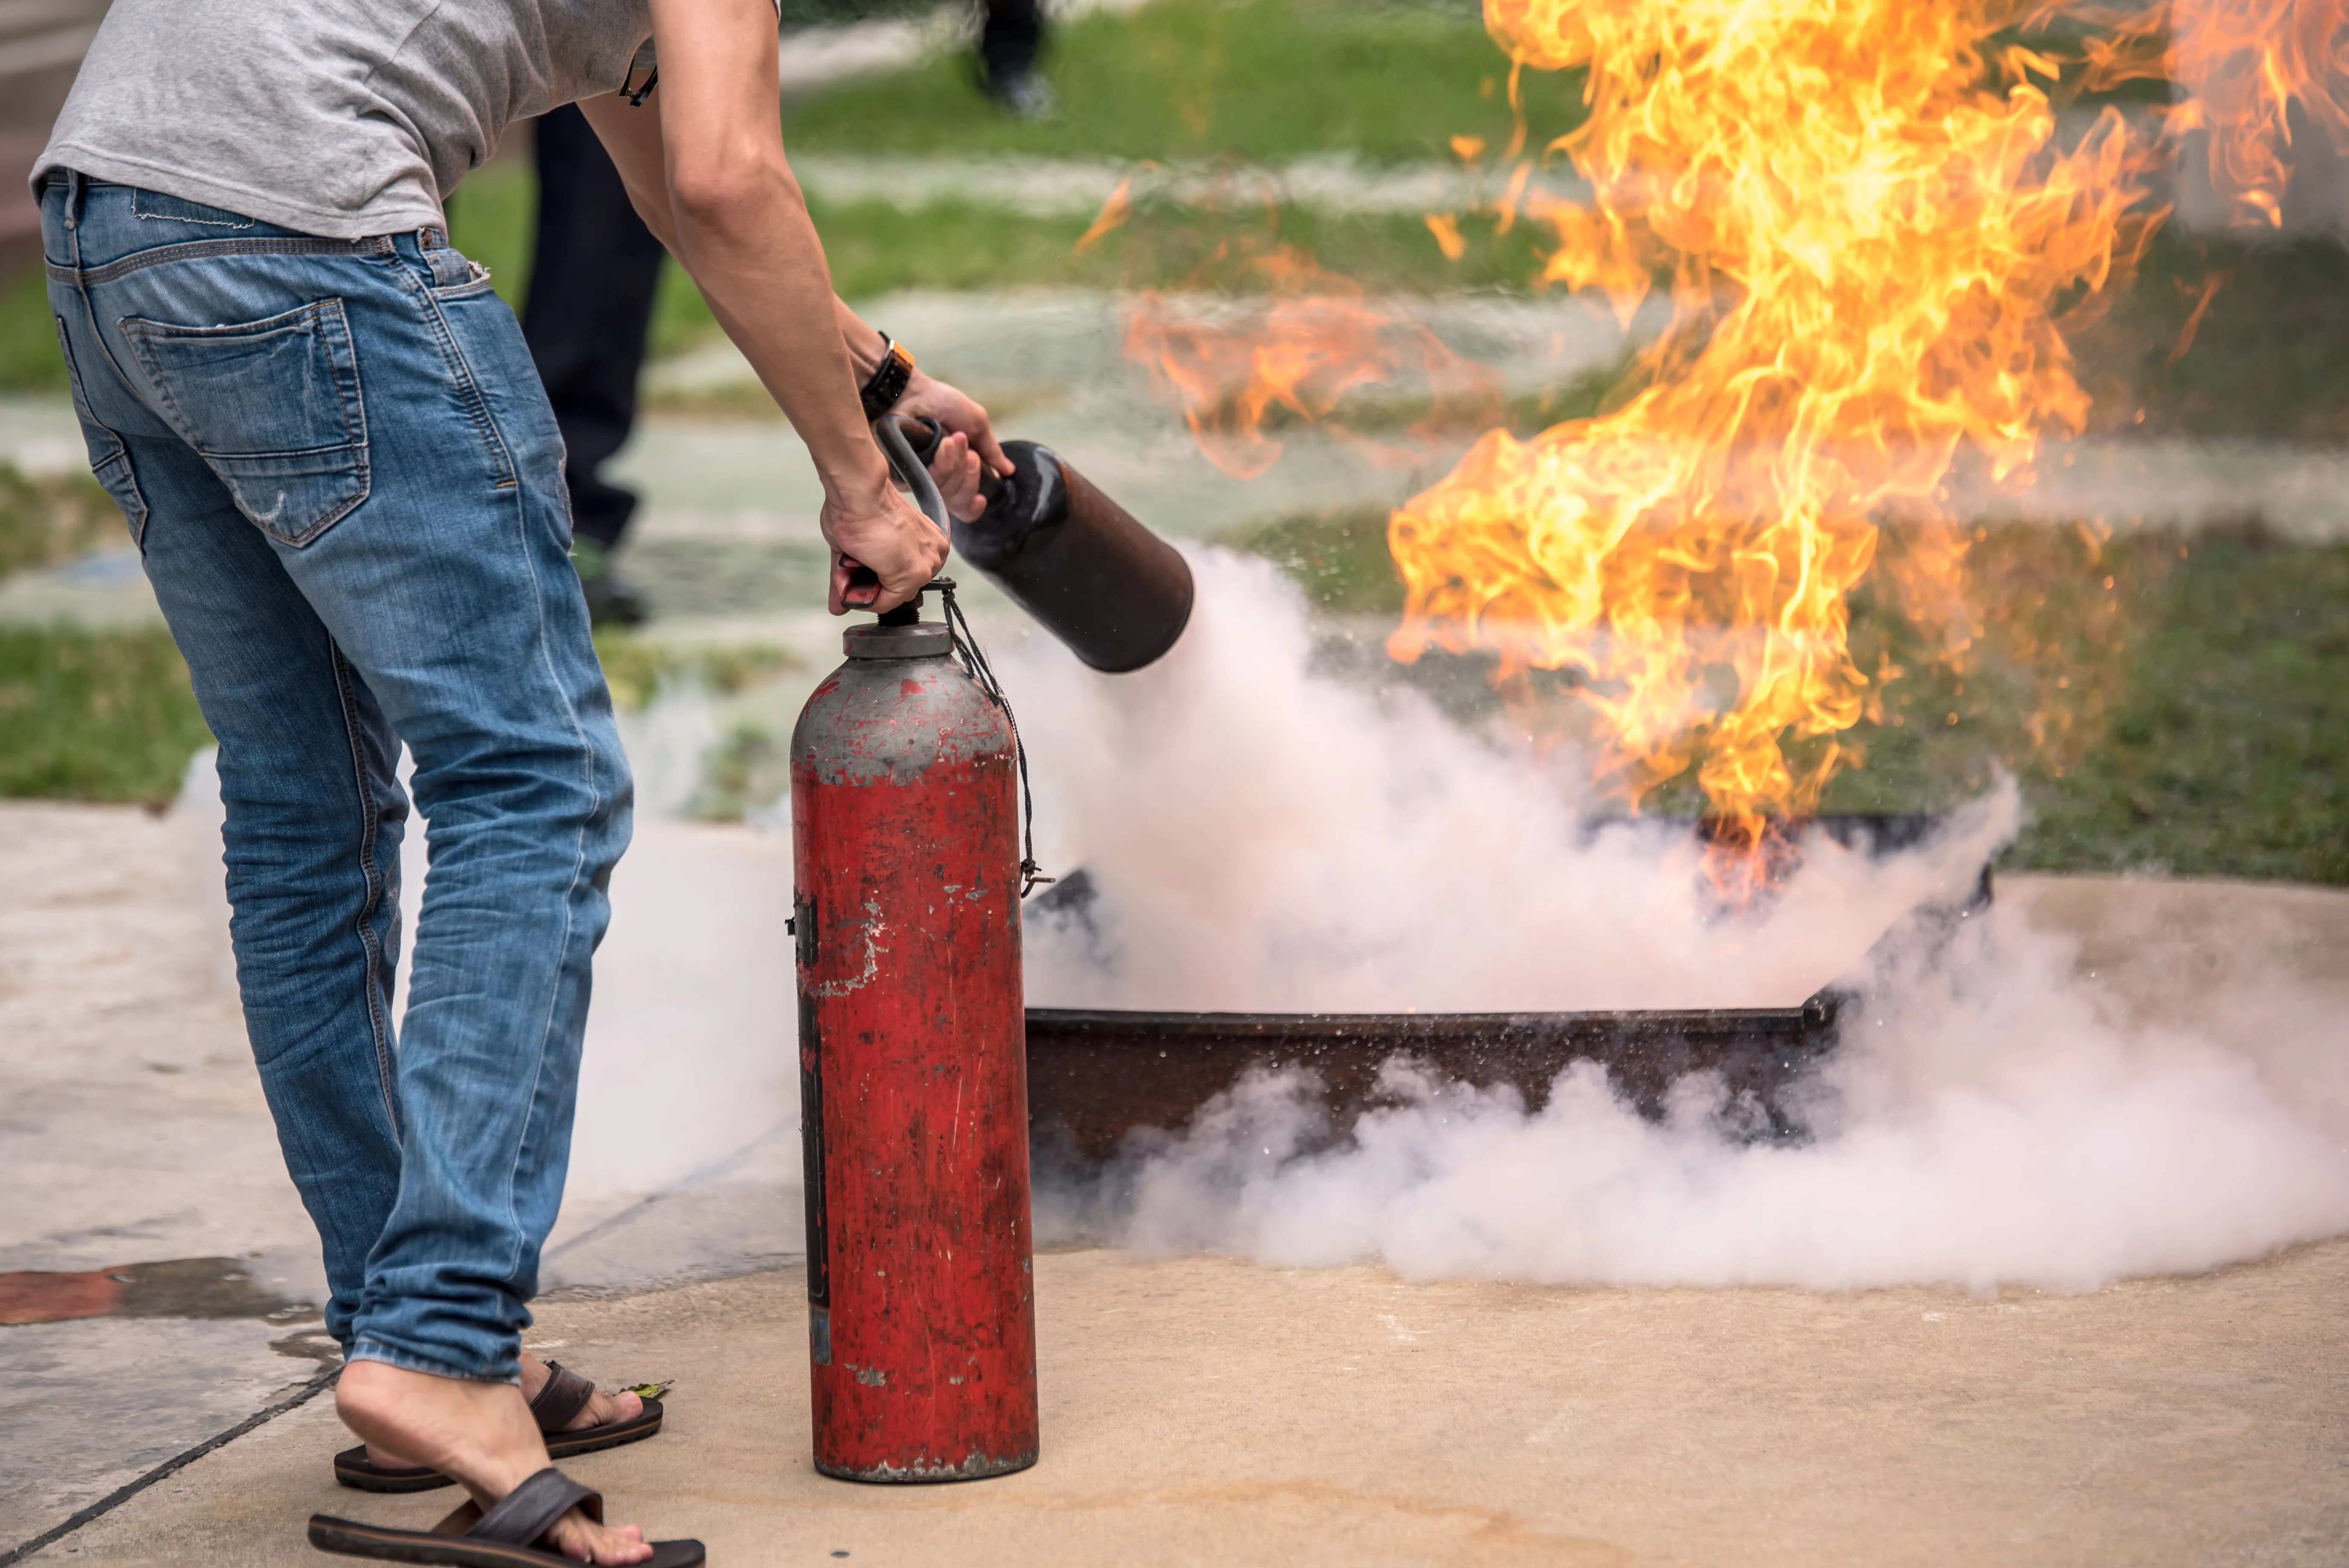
[
  {"x": 916, "y": 478},
  {"x": 967, "y": 649}
]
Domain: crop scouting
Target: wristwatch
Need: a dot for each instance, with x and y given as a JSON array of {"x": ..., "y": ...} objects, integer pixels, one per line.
[{"x": 888, "y": 383}]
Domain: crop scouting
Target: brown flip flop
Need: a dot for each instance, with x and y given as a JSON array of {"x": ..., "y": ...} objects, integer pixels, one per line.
[
  {"x": 565, "y": 1394},
  {"x": 510, "y": 1536}
]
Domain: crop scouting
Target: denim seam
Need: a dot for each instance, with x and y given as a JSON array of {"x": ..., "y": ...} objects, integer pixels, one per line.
[
  {"x": 197, "y": 250},
  {"x": 476, "y": 406},
  {"x": 367, "y": 1350},
  {"x": 578, "y": 861},
  {"x": 121, "y": 452},
  {"x": 144, "y": 217},
  {"x": 369, "y": 944},
  {"x": 495, "y": 441},
  {"x": 98, "y": 337}
]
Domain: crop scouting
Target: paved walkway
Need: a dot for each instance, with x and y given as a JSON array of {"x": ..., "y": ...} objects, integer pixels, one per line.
[
  {"x": 1077, "y": 188},
  {"x": 1195, "y": 1408},
  {"x": 1204, "y": 1411}
]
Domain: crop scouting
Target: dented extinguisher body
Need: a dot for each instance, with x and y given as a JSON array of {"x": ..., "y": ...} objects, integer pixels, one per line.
[{"x": 913, "y": 1073}]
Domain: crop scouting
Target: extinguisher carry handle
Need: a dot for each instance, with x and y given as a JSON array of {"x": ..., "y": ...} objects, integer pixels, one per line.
[
  {"x": 922, "y": 433},
  {"x": 911, "y": 471}
]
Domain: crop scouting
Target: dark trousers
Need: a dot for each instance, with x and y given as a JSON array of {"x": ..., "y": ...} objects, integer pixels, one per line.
[
  {"x": 592, "y": 281},
  {"x": 1013, "y": 35}
]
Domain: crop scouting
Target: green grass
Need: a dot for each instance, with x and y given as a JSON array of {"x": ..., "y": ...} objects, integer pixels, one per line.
[
  {"x": 635, "y": 667},
  {"x": 1258, "y": 79},
  {"x": 1338, "y": 556},
  {"x": 29, "y": 360},
  {"x": 108, "y": 715},
  {"x": 832, "y": 12},
  {"x": 2191, "y": 717},
  {"x": 53, "y": 518},
  {"x": 88, "y": 714},
  {"x": 874, "y": 248},
  {"x": 2269, "y": 358},
  {"x": 2202, "y": 726},
  {"x": 1271, "y": 80},
  {"x": 2227, "y": 751},
  {"x": 748, "y": 768}
]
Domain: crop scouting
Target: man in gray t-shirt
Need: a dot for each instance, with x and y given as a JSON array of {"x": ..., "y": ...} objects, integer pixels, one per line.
[{"x": 327, "y": 437}]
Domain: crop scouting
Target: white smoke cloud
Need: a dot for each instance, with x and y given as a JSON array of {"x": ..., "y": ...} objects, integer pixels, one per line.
[{"x": 1265, "y": 839}]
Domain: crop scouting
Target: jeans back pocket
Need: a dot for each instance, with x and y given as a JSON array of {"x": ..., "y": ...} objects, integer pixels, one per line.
[{"x": 273, "y": 409}]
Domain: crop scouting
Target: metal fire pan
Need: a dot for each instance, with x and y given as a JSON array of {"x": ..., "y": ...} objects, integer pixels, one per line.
[{"x": 1095, "y": 1077}]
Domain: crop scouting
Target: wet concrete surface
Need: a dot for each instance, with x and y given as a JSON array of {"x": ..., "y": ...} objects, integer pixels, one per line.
[{"x": 172, "y": 1287}]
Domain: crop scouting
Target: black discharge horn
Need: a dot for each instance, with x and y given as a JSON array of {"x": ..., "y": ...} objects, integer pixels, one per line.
[{"x": 1090, "y": 574}]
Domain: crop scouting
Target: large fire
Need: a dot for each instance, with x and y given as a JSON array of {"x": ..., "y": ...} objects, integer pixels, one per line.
[
  {"x": 1867, "y": 227},
  {"x": 1873, "y": 230}
]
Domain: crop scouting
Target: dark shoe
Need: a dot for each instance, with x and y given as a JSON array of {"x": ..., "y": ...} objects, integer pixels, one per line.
[
  {"x": 612, "y": 599},
  {"x": 1025, "y": 95},
  {"x": 565, "y": 1394},
  {"x": 511, "y": 1535}
]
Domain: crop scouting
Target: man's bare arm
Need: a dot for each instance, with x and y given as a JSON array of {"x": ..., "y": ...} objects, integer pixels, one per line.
[{"x": 703, "y": 161}]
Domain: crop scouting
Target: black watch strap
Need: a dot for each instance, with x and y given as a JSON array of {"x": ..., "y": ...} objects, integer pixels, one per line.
[{"x": 889, "y": 381}]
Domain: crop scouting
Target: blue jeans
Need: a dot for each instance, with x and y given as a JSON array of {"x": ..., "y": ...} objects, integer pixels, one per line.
[{"x": 346, "y": 487}]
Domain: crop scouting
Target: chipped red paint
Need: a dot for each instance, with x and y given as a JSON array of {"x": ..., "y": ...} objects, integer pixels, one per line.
[{"x": 913, "y": 1077}]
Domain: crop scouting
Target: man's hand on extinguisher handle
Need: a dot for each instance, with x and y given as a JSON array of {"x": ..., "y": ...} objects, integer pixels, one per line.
[
  {"x": 968, "y": 451},
  {"x": 884, "y": 551}
]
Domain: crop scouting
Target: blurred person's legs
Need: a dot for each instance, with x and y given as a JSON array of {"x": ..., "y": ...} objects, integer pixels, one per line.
[
  {"x": 1008, "y": 48},
  {"x": 350, "y": 506},
  {"x": 595, "y": 274}
]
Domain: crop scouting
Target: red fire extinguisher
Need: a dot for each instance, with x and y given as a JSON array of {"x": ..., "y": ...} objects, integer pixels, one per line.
[
  {"x": 909, "y": 862},
  {"x": 913, "y": 1067}
]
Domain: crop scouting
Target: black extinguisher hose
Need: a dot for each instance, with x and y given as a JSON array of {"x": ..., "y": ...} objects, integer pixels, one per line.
[{"x": 915, "y": 476}]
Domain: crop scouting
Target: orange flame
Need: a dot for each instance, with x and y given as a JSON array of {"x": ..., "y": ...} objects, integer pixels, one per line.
[
  {"x": 1233, "y": 366},
  {"x": 1872, "y": 239},
  {"x": 1866, "y": 226},
  {"x": 2241, "y": 64}
]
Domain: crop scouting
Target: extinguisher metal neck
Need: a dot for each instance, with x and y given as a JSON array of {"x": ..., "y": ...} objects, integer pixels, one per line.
[
  {"x": 921, "y": 640},
  {"x": 901, "y": 633}
]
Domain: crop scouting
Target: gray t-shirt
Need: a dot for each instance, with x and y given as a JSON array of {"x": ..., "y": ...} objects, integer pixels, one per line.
[{"x": 338, "y": 118}]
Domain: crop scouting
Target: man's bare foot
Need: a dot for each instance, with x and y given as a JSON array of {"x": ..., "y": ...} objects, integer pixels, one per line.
[
  {"x": 480, "y": 1433},
  {"x": 599, "y": 1409}
]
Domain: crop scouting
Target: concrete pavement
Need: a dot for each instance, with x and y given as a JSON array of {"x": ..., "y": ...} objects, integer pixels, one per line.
[
  {"x": 1195, "y": 1408},
  {"x": 1206, "y": 1411}
]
